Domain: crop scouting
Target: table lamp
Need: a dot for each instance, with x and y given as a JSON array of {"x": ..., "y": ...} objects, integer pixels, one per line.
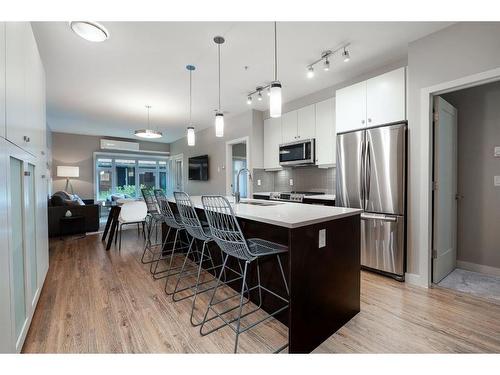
[{"x": 67, "y": 172}]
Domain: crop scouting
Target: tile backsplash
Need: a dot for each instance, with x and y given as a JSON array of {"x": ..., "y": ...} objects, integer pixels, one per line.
[{"x": 304, "y": 179}]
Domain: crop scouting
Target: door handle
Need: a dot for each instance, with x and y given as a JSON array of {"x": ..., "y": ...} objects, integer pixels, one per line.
[
  {"x": 365, "y": 216},
  {"x": 367, "y": 171},
  {"x": 361, "y": 175}
]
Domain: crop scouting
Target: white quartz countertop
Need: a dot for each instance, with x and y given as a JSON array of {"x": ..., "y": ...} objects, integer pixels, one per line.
[{"x": 283, "y": 214}]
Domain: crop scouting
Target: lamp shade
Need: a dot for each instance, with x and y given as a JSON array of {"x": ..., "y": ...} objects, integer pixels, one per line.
[{"x": 67, "y": 171}]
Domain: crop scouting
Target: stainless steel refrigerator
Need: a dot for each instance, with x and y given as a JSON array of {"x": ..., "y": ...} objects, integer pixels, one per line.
[{"x": 371, "y": 175}]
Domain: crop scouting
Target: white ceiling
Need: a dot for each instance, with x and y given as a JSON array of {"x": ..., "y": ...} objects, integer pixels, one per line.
[{"x": 102, "y": 88}]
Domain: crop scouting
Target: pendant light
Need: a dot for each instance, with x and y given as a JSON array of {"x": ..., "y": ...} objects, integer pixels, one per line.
[
  {"x": 191, "y": 138},
  {"x": 275, "y": 99},
  {"x": 148, "y": 133},
  {"x": 219, "y": 116}
]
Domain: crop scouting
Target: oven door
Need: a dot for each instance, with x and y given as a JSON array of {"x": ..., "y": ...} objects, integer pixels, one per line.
[{"x": 297, "y": 153}]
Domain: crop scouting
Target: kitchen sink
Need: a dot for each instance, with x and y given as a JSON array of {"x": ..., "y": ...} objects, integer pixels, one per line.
[{"x": 261, "y": 203}]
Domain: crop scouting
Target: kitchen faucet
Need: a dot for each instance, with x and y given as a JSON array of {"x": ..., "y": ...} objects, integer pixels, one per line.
[{"x": 237, "y": 195}]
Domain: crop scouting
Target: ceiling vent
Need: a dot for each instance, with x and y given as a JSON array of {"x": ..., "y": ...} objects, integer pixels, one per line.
[{"x": 108, "y": 144}]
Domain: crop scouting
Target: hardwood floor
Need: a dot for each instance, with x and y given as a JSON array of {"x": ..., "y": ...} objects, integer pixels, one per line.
[{"x": 95, "y": 301}]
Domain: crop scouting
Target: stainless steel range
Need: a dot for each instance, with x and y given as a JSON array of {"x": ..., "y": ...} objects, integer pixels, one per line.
[{"x": 291, "y": 196}]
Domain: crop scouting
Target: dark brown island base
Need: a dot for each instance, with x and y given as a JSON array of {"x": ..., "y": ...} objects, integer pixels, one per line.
[{"x": 322, "y": 265}]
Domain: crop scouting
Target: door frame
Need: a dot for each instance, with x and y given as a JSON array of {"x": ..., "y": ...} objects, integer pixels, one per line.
[
  {"x": 425, "y": 216},
  {"x": 229, "y": 163}
]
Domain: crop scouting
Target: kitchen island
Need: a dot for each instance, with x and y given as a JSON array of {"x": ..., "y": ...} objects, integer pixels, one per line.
[{"x": 322, "y": 265}]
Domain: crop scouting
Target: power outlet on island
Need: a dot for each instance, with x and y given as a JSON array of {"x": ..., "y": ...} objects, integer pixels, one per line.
[
  {"x": 259, "y": 183},
  {"x": 291, "y": 182},
  {"x": 496, "y": 181},
  {"x": 322, "y": 238}
]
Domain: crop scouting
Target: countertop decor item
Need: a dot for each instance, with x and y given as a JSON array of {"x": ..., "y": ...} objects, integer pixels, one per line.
[{"x": 68, "y": 213}]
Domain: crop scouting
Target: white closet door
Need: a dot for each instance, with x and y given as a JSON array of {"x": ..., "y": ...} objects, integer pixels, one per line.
[{"x": 325, "y": 132}]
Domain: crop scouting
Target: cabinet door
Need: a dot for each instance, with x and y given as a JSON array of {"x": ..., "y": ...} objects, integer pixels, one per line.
[
  {"x": 351, "y": 107},
  {"x": 289, "y": 126},
  {"x": 272, "y": 140},
  {"x": 2, "y": 79},
  {"x": 386, "y": 98},
  {"x": 325, "y": 132},
  {"x": 15, "y": 47},
  {"x": 306, "y": 122}
]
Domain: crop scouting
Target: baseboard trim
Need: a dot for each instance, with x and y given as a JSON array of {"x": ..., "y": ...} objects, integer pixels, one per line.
[
  {"x": 415, "y": 279},
  {"x": 468, "y": 266}
]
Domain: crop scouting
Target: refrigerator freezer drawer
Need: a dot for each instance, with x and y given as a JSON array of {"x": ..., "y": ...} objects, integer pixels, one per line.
[{"x": 382, "y": 242}]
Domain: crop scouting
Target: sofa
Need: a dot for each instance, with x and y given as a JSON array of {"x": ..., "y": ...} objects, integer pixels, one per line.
[{"x": 61, "y": 202}]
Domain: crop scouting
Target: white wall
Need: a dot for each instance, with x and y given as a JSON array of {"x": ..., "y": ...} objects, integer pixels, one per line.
[
  {"x": 246, "y": 124},
  {"x": 460, "y": 50}
]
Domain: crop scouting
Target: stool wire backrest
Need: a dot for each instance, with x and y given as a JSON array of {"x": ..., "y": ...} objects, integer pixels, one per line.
[
  {"x": 189, "y": 216},
  {"x": 165, "y": 209},
  {"x": 224, "y": 227},
  {"x": 150, "y": 200}
]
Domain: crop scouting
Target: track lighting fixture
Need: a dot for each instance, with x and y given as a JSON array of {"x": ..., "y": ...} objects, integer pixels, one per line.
[
  {"x": 259, "y": 96},
  {"x": 249, "y": 100},
  {"x": 310, "y": 72},
  {"x": 325, "y": 59}
]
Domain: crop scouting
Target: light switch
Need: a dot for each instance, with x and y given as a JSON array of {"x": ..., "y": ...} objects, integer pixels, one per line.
[
  {"x": 259, "y": 183},
  {"x": 291, "y": 182},
  {"x": 496, "y": 181},
  {"x": 496, "y": 151},
  {"x": 322, "y": 238}
]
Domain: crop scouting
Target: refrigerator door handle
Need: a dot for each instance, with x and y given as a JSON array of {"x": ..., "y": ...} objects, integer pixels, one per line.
[
  {"x": 367, "y": 216},
  {"x": 368, "y": 166},
  {"x": 362, "y": 175}
]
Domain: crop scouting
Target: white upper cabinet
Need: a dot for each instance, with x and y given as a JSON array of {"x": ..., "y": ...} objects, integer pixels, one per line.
[
  {"x": 325, "y": 130},
  {"x": 379, "y": 100},
  {"x": 272, "y": 140},
  {"x": 289, "y": 126},
  {"x": 306, "y": 121},
  {"x": 385, "y": 98},
  {"x": 2, "y": 79},
  {"x": 24, "y": 89},
  {"x": 351, "y": 107}
]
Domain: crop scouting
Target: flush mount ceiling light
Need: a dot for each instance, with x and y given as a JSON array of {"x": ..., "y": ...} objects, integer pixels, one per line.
[
  {"x": 219, "y": 116},
  {"x": 325, "y": 59},
  {"x": 148, "y": 133},
  {"x": 191, "y": 137},
  {"x": 91, "y": 31},
  {"x": 273, "y": 88}
]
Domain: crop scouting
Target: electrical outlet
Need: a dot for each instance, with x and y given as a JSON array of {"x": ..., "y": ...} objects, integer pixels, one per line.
[
  {"x": 259, "y": 183},
  {"x": 496, "y": 181},
  {"x": 322, "y": 238},
  {"x": 291, "y": 182}
]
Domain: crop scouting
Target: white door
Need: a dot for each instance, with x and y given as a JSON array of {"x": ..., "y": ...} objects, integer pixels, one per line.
[
  {"x": 350, "y": 107},
  {"x": 445, "y": 189},
  {"x": 386, "y": 98},
  {"x": 325, "y": 132},
  {"x": 272, "y": 140},
  {"x": 289, "y": 126},
  {"x": 306, "y": 122}
]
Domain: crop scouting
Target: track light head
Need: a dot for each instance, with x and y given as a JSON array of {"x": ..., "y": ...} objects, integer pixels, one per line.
[
  {"x": 326, "y": 65},
  {"x": 310, "y": 72},
  {"x": 259, "y": 96},
  {"x": 249, "y": 100},
  {"x": 345, "y": 55}
]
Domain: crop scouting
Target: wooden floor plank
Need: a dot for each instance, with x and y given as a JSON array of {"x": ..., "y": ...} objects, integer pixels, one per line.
[{"x": 95, "y": 301}]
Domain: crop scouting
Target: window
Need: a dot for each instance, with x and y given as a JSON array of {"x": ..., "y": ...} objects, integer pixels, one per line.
[{"x": 127, "y": 175}]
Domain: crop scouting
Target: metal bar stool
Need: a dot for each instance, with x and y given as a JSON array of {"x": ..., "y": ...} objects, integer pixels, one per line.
[
  {"x": 173, "y": 222},
  {"x": 153, "y": 219},
  {"x": 227, "y": 234},
  {"x": 198, "y": 231}
]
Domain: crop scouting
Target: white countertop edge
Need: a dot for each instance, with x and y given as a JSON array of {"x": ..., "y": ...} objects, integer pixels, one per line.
[{"x": 290, "y": 225}]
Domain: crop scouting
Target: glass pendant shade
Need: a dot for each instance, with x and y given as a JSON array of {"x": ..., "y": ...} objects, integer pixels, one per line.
[
  {"x": 275, "y": 99},
  {"x": 219, "y": 125},
  {"x": 148, "y": 133},
  {"x": 191, "y": 138}
]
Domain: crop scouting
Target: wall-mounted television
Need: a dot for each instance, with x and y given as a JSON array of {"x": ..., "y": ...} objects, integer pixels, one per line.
[{"x": 198, "y": 168}]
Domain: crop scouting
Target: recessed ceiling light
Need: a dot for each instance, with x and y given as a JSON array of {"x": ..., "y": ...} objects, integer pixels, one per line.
[{"x": 91, "y": 31}]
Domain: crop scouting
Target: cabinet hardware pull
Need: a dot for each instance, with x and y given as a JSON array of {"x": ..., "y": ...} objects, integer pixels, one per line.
[
  {"x": 27, "y": 173},
  {"x": 26, "y": 138},
  {"x": 362, "y": 121},
  {"x": 369, "y": 120}
]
